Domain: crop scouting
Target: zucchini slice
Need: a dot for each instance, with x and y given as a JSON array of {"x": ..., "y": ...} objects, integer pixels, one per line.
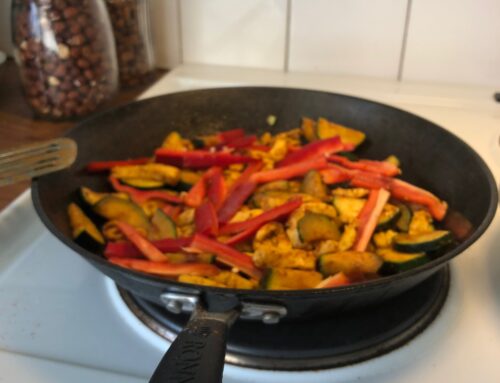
[
  {"x": 142, "y": 183},
  {"x": 422, "y": 242},
  {"x": 317, "y": 227},
  {"x": 390, "y": 214},
  {"x": 326, "y": 129},
  {"x": 403, "y": 222},
  {"x": 91, "y": 197},
  {"x": 185, "y": 258},
  {"x": 163, "y": 226},
  {"x": 309, "y": 129},
  {"x": 113, "y": 208},
  {"x": 349, "y": 262},
  {"x": 289, "y": 279},
  {"x": 269, "y": 199},
  {"x": 313, "y": 185},
  {"x": 156, "y": 172},
  {"x": 395, "y": 262},
  {"x": 187, "y": 179},
  {"x": 197, "y": 280},
  {"x": 85, "y": 233}
]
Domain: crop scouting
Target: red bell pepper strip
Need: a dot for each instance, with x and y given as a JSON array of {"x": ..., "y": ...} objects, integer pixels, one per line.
[
  {"x": 240, "y": 237},
  {"x": 235, "y": 200},
  {"x": 368, "y": 217},
  {"x": 166, "y": 269},
  {"x": 140, "y": 196},
  {"x": 379, "y": 167},
  {"x": 100, "y": 166},
  {"x": 128, "y": 250},
  {"x": 197, "y": 193},
  {"x": 262, "y": 148},
  {"x": 407, "y": 192},
  {"x": 370, "y": 180},
  {"x": 339, "y": 279},
  {"x": 226, "y": 254},
  {"x": 315, "y": 149},
  {"x": 242, "y": 142},
  {"x": 290, "y": 171},
  {"x": 335, "y": 174},
  {"x": 199, "y": 159},
  {"x": 403, "y": 191},
  {"x": 230, "y": 135},
  {"x": 251, "y": 169},
  {"x": 255, "y": 223},
  {"x": 149, "y": 250},
  {"x": 172, "y": 211},
  {"x": 216, "y": 187},
  {"x": 205, "y": 219},
  {"x": 239, "y": 192},
  {"x": 211, "y": 185}
]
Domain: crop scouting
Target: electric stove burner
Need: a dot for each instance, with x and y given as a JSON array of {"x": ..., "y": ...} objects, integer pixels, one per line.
[{"x": 318, "y": 343}]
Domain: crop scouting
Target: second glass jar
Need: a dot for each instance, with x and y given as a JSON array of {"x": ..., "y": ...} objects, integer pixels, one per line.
[{"x": 131, "y": 28}]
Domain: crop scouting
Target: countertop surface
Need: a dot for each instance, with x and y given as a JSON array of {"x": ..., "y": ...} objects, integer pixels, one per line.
[{"x": 18, "y": 125}]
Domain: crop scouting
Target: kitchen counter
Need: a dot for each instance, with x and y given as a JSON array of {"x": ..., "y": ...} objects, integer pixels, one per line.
[
  {"x": 48, "y": 291},
  {"x": 18, "y": 125}
]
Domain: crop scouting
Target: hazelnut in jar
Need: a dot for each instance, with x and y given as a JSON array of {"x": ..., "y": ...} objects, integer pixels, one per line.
[
  {"x": 130, "y": 21},
  {"x": 66, "y": 55}
]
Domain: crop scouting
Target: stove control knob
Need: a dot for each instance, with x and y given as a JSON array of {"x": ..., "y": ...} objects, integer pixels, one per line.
[
  {"x": 174, "y": 306},
  {"x": 271, "y": 317}
]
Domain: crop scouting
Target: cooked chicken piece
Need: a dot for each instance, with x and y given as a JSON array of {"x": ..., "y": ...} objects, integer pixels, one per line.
[
  {"x": 196, "y": 280},
  {"x": 348, "y": 237},
  {"x": 351, "y": 192},
  {"x": 245, "y": 214},
  {"x": 272, "y": 248},
  {"x": 420, "y": 223},
  {"x": 326, "y": 246},
  {"x": 186, "y": 217},
  {"x": 384, "y": 239},
  {"x": 234, "y": 281}
]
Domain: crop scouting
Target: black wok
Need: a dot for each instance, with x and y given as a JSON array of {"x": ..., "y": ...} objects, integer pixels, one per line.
[{"x": 431, "y": 157}]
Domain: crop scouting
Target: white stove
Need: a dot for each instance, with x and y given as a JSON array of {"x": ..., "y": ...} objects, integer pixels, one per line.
[{"x": 63, "y": 321}]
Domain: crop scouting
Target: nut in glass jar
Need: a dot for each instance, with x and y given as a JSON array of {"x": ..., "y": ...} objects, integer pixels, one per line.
[
  {"x": 66, "y": 55},
  {"x": 130, "y": 20}
]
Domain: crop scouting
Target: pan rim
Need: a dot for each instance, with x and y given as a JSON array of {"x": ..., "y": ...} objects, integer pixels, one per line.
[{"x": 363, "y": 286}]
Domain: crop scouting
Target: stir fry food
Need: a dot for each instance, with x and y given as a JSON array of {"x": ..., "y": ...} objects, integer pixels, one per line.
[{"x": 294, "y": 210}]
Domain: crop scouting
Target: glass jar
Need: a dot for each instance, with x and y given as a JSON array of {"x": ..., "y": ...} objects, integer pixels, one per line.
[
  {"x": 131, "y": 28},
  {"x": 66, "y": 55}
]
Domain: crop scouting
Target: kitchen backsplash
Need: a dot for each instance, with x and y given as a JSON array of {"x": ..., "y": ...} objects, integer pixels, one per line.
[{"x": 455, "y": 41}]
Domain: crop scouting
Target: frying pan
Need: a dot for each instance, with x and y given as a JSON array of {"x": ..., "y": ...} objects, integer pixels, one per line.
[{"x": 431, "y": 158}]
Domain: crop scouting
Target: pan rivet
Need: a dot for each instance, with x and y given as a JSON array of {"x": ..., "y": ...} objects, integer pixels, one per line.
[
  {"x": 270, "y": 317},
  {"x": 174, "y": 306}
]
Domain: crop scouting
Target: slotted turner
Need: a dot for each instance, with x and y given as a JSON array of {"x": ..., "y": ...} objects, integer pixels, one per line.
[{"x": 33, "y": 160}]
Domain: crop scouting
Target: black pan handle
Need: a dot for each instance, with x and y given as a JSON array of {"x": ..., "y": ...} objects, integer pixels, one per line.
[{"x": 197, "y": 354}]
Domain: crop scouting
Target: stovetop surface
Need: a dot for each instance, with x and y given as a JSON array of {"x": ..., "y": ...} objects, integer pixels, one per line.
[
  {"x": 315, "y": 343},
  {"x": 60, "y": 320}
]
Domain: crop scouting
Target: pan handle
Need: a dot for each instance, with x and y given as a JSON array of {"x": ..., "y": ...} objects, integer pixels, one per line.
[{"x": 197, "y": 354}]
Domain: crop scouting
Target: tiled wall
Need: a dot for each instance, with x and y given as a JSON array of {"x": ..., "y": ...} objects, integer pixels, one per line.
[{"x": 454, "y": 41}]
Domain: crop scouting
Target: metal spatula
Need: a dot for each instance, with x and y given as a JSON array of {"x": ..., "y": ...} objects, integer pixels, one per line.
[{"x": 33, "y": 160}]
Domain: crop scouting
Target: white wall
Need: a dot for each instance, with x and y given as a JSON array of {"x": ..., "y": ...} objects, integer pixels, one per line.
[{"x": 455, "y": 41}]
